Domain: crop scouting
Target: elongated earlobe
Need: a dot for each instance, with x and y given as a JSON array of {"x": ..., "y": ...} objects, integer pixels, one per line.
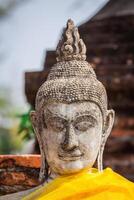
[
  {"x": 36, "y": 127},
  {"x": 107, "y": 130},
  {"x": 109, "y": 122}
]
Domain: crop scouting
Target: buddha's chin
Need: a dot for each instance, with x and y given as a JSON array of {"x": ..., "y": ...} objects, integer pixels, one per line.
[{"x": 72, "y": 167}]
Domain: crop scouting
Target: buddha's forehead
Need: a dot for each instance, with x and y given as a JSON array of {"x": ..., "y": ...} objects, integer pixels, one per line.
[{"x": 73, "y": 110}]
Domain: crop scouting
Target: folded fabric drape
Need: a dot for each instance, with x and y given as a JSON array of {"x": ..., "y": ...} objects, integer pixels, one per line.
[{"x": 86, "y": 185}]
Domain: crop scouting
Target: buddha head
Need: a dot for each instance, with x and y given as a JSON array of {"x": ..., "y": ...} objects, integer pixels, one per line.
[{"x": 71, "y": 119}]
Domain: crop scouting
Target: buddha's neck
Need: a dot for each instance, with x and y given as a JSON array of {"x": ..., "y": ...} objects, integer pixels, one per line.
[{"x": 54, "y": 175}]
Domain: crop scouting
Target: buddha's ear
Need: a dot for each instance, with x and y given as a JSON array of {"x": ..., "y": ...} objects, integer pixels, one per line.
[
  {"x": 110, "y": 115},
  {"x": 35, "y": 123},
  {"x": 109, "y": 123},
  {"x": 34, "y": 119}
]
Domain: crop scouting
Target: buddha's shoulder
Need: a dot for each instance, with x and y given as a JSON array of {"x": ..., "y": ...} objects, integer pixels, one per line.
[{"x": 117, "y": 178}]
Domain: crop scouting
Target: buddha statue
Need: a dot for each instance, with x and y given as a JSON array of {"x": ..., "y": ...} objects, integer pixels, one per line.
[{"x": 72, "y": 123}]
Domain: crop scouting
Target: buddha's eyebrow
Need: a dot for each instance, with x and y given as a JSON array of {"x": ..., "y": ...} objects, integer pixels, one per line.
[
  {"x": 86, "y": 113},
  {"x": 84, "y": 117},
  {"x": 51, "y": 114}
]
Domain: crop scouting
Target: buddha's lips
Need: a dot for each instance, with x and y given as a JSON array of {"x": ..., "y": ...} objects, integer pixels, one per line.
[{"x": 70, "y": 157}]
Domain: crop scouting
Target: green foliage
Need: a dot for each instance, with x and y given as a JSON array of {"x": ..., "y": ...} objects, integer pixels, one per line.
[
  {"x": 25, "y": 126},
  {"x": 5, "y": 145}
]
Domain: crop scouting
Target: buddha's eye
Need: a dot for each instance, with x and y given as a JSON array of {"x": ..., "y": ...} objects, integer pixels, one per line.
[
  {"x": 83, "y": 126},
  {"x": 56, "y": 124},
  {"x": 84, "y": 122}
]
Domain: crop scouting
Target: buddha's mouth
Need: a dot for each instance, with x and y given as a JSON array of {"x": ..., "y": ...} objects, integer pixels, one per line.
[{"x": 69, "y": 157}]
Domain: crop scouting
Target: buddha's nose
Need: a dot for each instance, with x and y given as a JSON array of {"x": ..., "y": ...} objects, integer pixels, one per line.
[{"x": 70, "y": 142}]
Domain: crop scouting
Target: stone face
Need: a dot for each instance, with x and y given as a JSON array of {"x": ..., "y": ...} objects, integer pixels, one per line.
[{"x": 72, "y": 137}]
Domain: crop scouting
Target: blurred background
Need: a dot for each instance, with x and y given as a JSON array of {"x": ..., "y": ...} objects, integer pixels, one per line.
[
  {"x": 29, "y": 32},
  {"x": 27, "y": 29}
]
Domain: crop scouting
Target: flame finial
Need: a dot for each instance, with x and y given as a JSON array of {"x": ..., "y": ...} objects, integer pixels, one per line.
[{"x": 71, "y": 46}]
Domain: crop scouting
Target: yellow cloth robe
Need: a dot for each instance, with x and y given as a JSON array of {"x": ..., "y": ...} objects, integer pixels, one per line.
[{"x": 87, "y": 184}]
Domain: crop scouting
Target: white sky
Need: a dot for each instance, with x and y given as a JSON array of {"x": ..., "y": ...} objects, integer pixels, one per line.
[{"x": 30, "y": 29}]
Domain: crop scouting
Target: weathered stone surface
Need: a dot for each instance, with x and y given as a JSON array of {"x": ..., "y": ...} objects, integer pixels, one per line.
[
  {"x": 20, "y": 160},
  {"x": 18, "y": 173}
]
